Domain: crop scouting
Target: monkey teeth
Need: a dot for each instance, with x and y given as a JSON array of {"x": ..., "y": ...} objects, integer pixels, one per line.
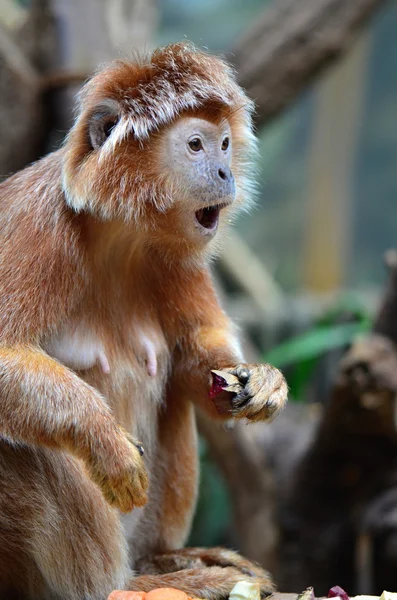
[{"x": 208, "y": 217}]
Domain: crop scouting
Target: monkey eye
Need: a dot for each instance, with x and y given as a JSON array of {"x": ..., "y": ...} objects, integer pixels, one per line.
[
  {"x": 195, "y": 145},
  {"x": 108, "y": 127},
  {"x": 225, "y": 144}
]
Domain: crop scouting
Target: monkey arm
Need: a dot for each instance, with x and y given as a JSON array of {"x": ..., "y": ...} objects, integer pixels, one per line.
[
  {"x": 210, "y": 344},
  {"x": 258, "y": 391},
  {"x": 44, "y": 403},
  {"x": 206, "y": 340},
  {"x": 206, "y": 348}
]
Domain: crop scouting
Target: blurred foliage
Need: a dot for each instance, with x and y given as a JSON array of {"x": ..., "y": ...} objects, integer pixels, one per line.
[{"x": 336, "y": 329}]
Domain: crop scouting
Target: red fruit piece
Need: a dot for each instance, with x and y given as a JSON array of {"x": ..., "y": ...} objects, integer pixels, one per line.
[
  {"x": 218, "y": 383},
  {"x": 338, "y": 591}
]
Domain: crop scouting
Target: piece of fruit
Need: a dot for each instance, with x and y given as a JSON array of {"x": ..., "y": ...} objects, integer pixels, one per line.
[
  {"x": 337, "y": 591},
  {"x": 245, "y": 590},
  {"x": 388, "y": 595},
  {"x": 308, "y": 594},
  {"x": 166, "y": 594},
  {"x": 222, "y": 381}
]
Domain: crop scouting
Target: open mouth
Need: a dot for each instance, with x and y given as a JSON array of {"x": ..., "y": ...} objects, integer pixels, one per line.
[{"x": 208, "y": 217}]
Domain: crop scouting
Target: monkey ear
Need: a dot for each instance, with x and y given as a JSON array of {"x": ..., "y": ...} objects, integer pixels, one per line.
[{"x": 101, "y": 123}]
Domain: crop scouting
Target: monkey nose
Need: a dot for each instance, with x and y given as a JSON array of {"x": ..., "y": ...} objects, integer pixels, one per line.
[{"x": 225, "y": 174}]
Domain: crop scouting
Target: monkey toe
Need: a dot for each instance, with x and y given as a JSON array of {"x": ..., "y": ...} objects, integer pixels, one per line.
[
  {"x": 220, "y": 568},
  {"x": 210, "y": 582},
  {"x": 131, "y": 492},
  {"x": 121, "y": 474},
  {"x": 224, "y": 557}
]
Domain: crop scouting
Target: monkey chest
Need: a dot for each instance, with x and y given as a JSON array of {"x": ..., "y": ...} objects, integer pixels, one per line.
[{"x": 128, "y": 365}]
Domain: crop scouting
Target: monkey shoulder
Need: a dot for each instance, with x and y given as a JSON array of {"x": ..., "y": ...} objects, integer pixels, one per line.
[{"x": 40, "y": 257}]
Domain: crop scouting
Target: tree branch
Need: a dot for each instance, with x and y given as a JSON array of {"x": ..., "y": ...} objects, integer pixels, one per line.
[{"x": 294, "y": 42}]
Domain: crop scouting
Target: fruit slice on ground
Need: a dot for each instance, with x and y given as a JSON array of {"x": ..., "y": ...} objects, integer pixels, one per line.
[
  {"x": 245, "y": 590},
  {"x": 338, "y": 592},
  {"x": 166, "y": 594},
  {"x": 388, "y": 596}
]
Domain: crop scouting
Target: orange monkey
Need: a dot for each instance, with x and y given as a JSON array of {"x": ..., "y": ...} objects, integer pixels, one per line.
[{"x": 110, "y": 327}]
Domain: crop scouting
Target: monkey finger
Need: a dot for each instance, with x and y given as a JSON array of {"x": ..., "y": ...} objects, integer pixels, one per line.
[
  {"x": 143, "y": 480},
  {"x": 109, "y": 496}
]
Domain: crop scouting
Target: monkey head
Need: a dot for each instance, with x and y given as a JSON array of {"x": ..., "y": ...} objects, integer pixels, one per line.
[
  {"x": 163, "y": 144},
  {"x": 197, "y": 154}
]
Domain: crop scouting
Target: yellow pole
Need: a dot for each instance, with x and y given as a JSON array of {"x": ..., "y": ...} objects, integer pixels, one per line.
[{"x": 331, "y": 162}]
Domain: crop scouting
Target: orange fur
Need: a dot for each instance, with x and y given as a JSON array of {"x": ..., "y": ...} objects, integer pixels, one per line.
[{"x": 109, "y": 328}]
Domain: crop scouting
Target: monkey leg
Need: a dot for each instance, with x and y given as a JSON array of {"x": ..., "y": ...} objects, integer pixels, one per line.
[
  {"x": 200, "y": 572},
  {"x": 58, "y": 536}
]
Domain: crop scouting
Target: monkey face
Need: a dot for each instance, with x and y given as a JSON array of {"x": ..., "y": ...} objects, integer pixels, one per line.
[
  {"x": 182, "y": 184},
  {"x": 197, "y": 155},
  {"x": 165, "y": 145}
]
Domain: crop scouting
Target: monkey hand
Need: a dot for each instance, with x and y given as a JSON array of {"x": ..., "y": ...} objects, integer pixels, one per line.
[
  {"x": 118, "y": 468},
  {"x": 256, "y": 392}
]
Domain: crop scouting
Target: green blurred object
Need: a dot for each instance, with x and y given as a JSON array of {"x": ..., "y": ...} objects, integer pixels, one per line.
[
  {"x": 303, "y": 352},
  {"x": 314, "y": 343}
]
